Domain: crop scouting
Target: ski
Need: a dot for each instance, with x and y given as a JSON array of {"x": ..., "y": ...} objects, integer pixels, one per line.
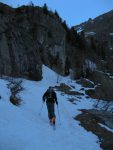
[{"x": 54, "y": 127}]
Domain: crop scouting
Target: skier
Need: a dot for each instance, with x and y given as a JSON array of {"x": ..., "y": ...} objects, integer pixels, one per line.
[{"x": 50, "y": 98}]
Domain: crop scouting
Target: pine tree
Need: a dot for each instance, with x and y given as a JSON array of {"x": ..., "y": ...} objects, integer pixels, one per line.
[
  {"x": 31, "y": 4},
  {"x": 64, "y": 24},
  {"x": 58, "y": 16},
  {"x": 45, "y": 9}
]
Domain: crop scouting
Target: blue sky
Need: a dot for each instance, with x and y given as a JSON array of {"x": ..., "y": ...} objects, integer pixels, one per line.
[{"x": 73, "y": 11}]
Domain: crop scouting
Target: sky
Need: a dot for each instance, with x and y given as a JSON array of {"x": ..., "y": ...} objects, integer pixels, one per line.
[{"x": 73, "y": 11}]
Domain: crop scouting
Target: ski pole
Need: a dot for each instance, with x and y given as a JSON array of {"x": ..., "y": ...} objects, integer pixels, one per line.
[
  {"x": 59, "y": 115},
  {"x": 41, "y": 108}
]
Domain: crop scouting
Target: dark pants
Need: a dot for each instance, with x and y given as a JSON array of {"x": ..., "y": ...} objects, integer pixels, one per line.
[{"x": 51, "y": 110}]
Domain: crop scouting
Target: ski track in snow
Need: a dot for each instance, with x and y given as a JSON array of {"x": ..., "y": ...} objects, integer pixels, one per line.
[{"x": 22, "y": 128}]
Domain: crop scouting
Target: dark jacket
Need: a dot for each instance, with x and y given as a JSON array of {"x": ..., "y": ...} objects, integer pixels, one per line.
[{"x": 50, "y": 97}]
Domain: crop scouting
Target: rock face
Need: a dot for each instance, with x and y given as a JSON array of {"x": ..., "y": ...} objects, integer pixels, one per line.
[
  {"x": 105, "y": 116},
  {"x": 30, "y": 37},
  {"x": 103, "y": 88}
]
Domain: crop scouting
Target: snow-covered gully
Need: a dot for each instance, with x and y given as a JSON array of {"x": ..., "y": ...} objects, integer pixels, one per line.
[{"x": 22, "y": 128}]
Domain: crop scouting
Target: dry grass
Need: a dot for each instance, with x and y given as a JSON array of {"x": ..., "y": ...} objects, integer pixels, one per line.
[{"x": 15, "y": 100}]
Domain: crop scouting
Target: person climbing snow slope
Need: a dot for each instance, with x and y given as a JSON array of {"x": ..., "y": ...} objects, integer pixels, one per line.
[{"x": 50, "y": 98}]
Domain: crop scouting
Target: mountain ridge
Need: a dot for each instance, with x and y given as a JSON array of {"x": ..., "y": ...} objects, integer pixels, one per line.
[{"x": 87, "y": 25}]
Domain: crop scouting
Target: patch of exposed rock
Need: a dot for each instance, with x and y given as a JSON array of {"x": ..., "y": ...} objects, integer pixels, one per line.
[{"x": 90, "y": 121}]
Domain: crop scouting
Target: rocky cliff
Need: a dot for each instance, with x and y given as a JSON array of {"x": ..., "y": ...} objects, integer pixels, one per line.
[
  {"x": 98, "y": 33},
  {"x": 30, "y": 37}
]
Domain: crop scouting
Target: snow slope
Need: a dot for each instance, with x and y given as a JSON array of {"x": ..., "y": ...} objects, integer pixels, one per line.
[{"x": 22, "y": 128}]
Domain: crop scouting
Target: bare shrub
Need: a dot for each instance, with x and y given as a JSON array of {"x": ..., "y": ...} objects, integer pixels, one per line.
[{"x": 15, "y": 87}]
